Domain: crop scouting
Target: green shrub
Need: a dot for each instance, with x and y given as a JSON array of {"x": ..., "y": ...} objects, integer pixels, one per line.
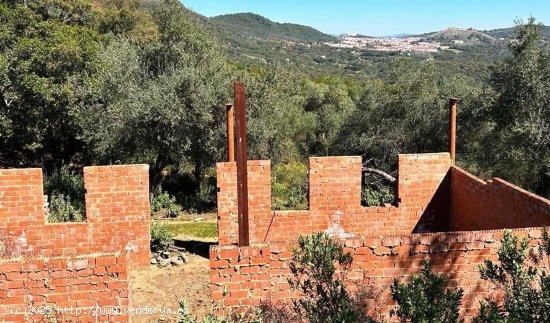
[
  {"x": 63, "y": 209},
  {"x": 526, "y": 288},
  {"x": 314, "y": 272},
  {"x": 161, "y": 236},
  {"x": 425, "y": 299},
  {"x": 162, "y": 201},
  {"x": 377, "y": 196},
  {"x": 65, "y": 190},
  {"x": 289, "y": 186}
]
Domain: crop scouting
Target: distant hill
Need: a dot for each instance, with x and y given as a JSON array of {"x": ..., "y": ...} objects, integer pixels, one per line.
[
  {"x": 508, "y": 32},
  {"x": 253, "y": 26},
  {"x": 252, "y": 40},
  {"x": 467, "y": 36}
]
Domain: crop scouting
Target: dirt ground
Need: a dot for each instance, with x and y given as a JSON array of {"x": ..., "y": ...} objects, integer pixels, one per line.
[
  {"x": 162, "y": 288},
  {"x": 156, "y": 287}
]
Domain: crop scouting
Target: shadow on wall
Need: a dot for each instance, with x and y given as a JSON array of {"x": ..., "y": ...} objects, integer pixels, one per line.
[{"x": 435, "y": 218}]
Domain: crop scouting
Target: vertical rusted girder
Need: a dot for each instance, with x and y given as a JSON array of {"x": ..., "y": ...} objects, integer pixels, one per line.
[
  {"x": 242, "y": 178},
  {"x": 230, "y": 132},
  {"x": 452, "y": 128}
]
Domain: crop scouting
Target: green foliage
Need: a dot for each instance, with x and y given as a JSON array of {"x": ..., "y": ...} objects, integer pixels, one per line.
[
  {"x": 252, "y": 25},
  {"x": 377, "y": 196},
  {"x": 158, "y": 102},
  {"x": 131, "y": 81},
  {"x": 319, "y": 266},
  {"x": 63, "y": 209},
  {"x": 161, "y": 236},
  {"x": 272, "y": 96},
  {"x": 65, "y": 190},
  {"x": 46, "y": 51},
  {"x": 520, "y": 149},
  {"x": 162, "y": 201},
  {"x": 425, "y": 299},
  {"x": 289, "y": 186},
  {"x": 526, "y": 288},
  {"x": 406, "y": 114}
]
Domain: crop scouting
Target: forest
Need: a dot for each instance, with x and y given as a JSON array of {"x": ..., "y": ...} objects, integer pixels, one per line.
[{"x": 91, "y": 82}]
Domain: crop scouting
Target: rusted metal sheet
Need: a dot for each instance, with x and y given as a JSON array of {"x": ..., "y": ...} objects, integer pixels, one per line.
[
  {"x": 229, "y": 110},
  {"x": 452, "y": 128},
  {"x": 242, "y": 178}
]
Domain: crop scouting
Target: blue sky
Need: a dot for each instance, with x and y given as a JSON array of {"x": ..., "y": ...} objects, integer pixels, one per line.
[{"x": 383, "y": 17}]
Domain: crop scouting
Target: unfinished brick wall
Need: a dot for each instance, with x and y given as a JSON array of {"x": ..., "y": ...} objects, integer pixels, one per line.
[
  {"x": 493, "y": 204},
  {"x": 246, "y": 276},
  {"x": 389, "y": 242},
  {"x": 89, "y": 282},
  {"x": 335, "y": 186},
  {"x": 117, "y": 213}
]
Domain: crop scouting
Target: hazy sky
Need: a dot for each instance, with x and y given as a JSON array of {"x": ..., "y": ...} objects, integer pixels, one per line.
[{"x": 383, "y": 17}]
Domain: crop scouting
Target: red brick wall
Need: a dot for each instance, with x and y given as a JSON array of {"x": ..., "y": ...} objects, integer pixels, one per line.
[
  {"x": 82, "y": 282},
  {"x": 423, "y": 190},
  {"x": 493, "y": 204},
  {"x": 242, "y": 277},
  {"x": 335, "y": 185},
  {"x": 259, "y": 200},
  {"x": 117, "y": 212}
]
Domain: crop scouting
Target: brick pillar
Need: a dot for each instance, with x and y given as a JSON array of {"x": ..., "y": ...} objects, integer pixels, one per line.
[
  {"x": 259, "y": 200},
  {"x": 423, "y": 189},
  {"x": 334, "y": 183},
  {"x": 117, "y": 208},
  {"x": 21, "y": 202}
]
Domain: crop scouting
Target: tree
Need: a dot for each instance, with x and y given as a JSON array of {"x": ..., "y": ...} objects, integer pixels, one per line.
[
  {"x": 159, "y": 102},
  {"x": 45, "y": 52},
  {"x": 521, "y": 112},
  {"x": 278, "y": 126}
]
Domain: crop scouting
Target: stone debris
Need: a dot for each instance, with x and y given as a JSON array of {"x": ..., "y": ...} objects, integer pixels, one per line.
[{"x": 172, "y": 257}]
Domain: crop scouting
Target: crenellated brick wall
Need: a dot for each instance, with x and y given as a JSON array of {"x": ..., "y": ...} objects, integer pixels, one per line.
[
  {"x": 246, "y": 276},
  {"x": 435, "y": 201},
  {"x": 493, "y": 204},
  {"x": 96, "y": 285},
  {"x": 84, "y": 265},
  {"x": 335, "y": 186},
  {"x": 117, "y": 213}
]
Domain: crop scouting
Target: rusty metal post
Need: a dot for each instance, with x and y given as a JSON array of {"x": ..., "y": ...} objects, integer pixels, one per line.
[
  {"x": 452, "y": 128},
  {"x": 230, "y": 132},
  {"x": 242, "y": 178}
]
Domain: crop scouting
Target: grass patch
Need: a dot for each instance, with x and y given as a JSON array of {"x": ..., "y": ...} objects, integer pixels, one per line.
[{"x": 193, "y": 229}]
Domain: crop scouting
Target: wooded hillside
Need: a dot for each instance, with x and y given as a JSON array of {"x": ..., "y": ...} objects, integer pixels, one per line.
[{"x": 121, "y": 81}]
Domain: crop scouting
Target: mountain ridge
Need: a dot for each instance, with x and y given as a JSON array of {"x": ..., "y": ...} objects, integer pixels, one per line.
[{"x": 251, "y": 25}]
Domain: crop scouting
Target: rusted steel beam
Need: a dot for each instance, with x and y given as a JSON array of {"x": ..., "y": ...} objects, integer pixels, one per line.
[
  {"x": 452, "y": 128},
  {"x": 242, "y": 178},
  {"x": 229, "y": 110}
]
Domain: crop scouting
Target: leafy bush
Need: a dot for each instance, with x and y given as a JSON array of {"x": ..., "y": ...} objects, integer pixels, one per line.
[
  {"x": 425, "y": 299},
  {"x": 377, "y": 196},
  {"x": 161, "y": 236},
  {"x": 289, "y": 186},
  {"x": 314, "y": 272},
  {"x": 162, "y": 201},
  {"x": 65, "y": 189},
  {"x": 526, "y": 288},
  {"x": 63, "y": 209}
]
